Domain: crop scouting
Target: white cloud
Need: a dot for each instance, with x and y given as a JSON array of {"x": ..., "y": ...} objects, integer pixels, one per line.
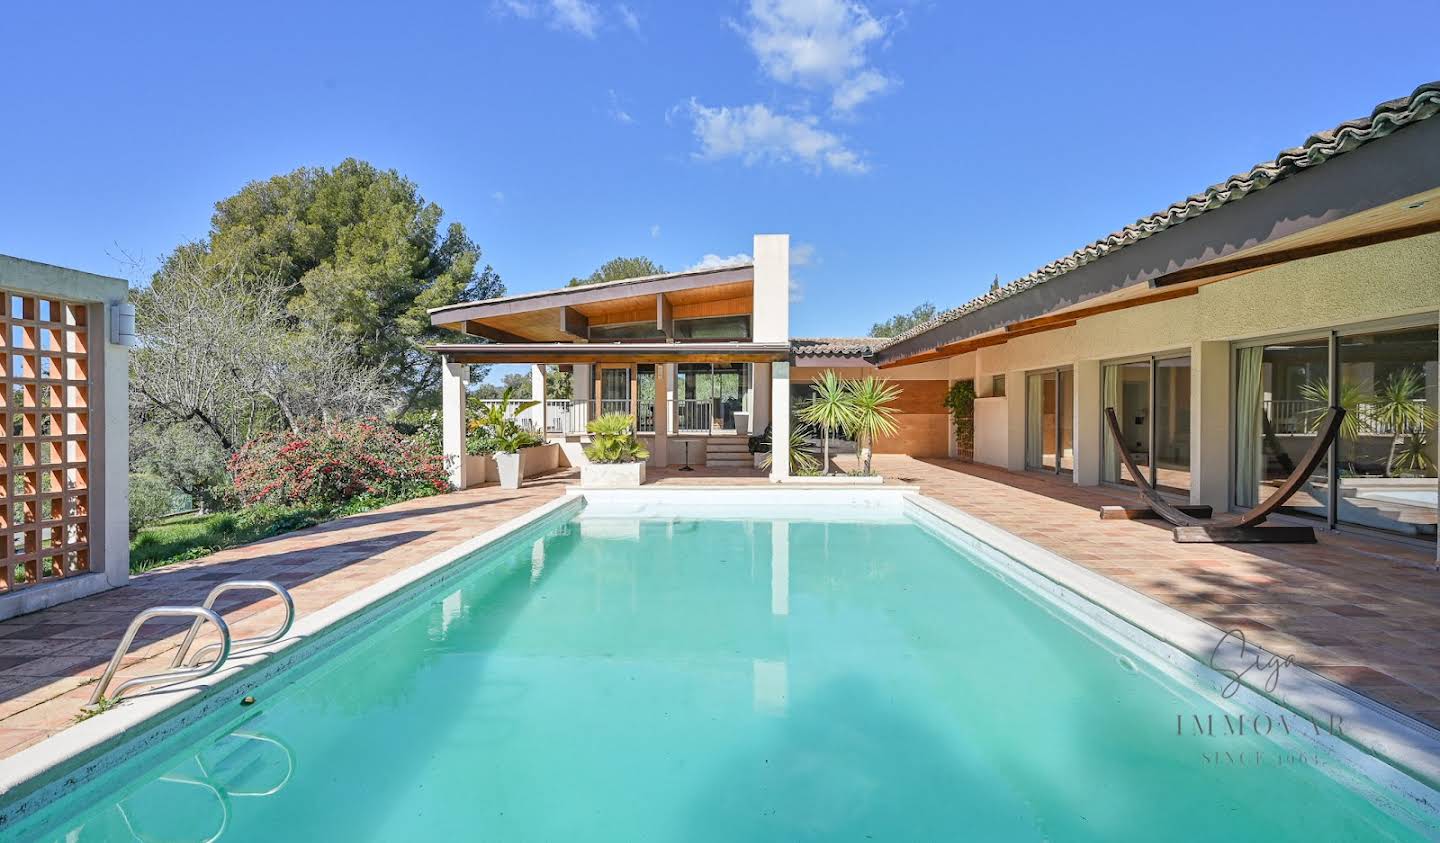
[
  {"x": 498, "y": 196},
  {"x": 818, "y": 45},
  {"x": 578, "y": 16},
  {"x": 629, "y": 18},
  {"x": 655, "y": 232},
  {"x": 617, "y": 113},
  {"x": 801, "y": 254},
  {"x": 754, "y": 133},
  {"x": 713, "y": 261}
]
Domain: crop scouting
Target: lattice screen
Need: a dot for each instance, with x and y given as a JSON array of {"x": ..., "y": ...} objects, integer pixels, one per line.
[{"x": 45, "y": 416}]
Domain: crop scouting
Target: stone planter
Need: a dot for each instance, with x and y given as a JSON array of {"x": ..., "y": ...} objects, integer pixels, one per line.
[
  {"x": 614, "y": 475},
  {"x": 510, "y": 468}
]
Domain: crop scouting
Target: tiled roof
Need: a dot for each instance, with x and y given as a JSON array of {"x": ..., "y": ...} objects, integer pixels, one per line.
[
  {"x": 1423, "y": 103},
  {"x": 819, "y": 346}
]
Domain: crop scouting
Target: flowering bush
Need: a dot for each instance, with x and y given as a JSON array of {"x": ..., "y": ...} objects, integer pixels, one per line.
[{"x": 331, "y": 464}]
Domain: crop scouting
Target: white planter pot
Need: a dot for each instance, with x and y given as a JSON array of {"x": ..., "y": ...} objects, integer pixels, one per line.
[
  {"x": 511, "y": 469},
  {"x": 615, "y": 475}
]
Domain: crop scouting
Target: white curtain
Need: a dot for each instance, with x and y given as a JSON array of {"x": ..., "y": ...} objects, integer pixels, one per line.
[
  {"x": 1110, "y": 398},
  {"x": 1034, "y": 420},
  {"x": 1249, "y": 430}
]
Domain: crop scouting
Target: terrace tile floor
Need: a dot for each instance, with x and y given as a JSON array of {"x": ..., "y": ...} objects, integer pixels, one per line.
[{"x": 1362, "y": 611}]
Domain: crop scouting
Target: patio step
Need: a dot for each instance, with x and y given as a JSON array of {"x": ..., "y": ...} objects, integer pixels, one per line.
[{"x": 728, "y": 452}]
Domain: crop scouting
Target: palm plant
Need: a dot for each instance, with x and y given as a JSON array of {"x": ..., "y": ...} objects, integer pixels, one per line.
[
  {"x": 498, "y": 422},
  {"x": 1413, "y": 456},
  {"x": 801, "y": 460},
  {"x": 829, "y": 410},
  {"x": 870, "y": 413},
  {"x": 1352, "y": 397},
  {"x": 1400, "y": 405},
  {"x": 614, "y": 440}
]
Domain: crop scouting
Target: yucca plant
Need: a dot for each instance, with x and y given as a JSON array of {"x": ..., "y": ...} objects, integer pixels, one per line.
[
  {"x": 829, "y": 410},
  {"x": 1400, "y": 405},
  {"x": 870, "y": 413},
  {"x": 613, "y": 440},
  {"x": 801, "y": 460}
]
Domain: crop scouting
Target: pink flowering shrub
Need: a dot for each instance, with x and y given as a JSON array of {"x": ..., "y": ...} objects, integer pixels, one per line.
[{"x": 332, "y": 464}]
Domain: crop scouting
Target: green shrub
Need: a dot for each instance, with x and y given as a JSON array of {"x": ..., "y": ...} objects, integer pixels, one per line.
[
  {"x": 150, "y": 500},
  {"x": 614, "y": 440},
  {"x": 326, "y": 466}
]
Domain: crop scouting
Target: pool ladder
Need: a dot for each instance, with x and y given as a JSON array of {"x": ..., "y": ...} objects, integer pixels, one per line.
[{"x": 202, "y": 614}]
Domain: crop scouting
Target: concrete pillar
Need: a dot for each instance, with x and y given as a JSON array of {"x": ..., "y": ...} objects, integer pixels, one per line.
[
  {"x": 779, "y": 421},
  {"x": 760, "y": 404},
  {"x": 537, "y": 393},
  {"x": 454, "y": 389},
  {"x": 1210, "y": 413},
  {"x": 109, "y": 520},
  {"x": 1086, "y": 421},
  {"x": 664, "y": 376},
  {"x": 1015, "y": 419},
  {"x": 671, "y": 419}
]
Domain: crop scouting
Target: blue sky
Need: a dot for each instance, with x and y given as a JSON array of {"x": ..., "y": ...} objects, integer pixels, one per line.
[{"x": 912, "y": 150}]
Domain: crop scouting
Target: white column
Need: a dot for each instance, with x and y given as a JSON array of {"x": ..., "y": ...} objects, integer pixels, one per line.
[
  {"x": 666, "y": 393},
  {"x": 537, "y": 393},
  {"x": 664, "y": 376},
  {"x": 760, "y": 402},
  {"x": 779, "y": 421},
  {"x": 1210, "y": 413},
  {"x": 109, "y": 520},
  {"x": 1015, "y": 390},
  {"x": 454, "y": 388},
  {"x": 1086, "y": 420}
]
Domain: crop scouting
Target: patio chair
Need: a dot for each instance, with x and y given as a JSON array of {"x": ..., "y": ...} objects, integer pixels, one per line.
[{"x": 1189, "y": 528}]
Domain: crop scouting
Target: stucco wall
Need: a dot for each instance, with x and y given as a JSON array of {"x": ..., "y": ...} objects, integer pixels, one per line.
[{"x": 1376, "y": 282}]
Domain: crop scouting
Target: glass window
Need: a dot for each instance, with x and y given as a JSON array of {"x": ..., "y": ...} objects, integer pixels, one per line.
[
  {"x": 645, "y": 405},
  {"x": 713, "y": 328},
  {"x": 1386, "y": 450},
  {"x": 626, "y": 331},
  {"x": 997, "y": 386},
  {"x": 709, "y": 395},
  {"x": 1171, "y": 448},
  {"x": 615, "y": 390},
  {"x": 1281, "y": 393},
  {"x": 1049, "y": 426}
]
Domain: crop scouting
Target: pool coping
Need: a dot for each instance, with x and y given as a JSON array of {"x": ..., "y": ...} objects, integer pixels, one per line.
[
  {"x": 72, "y": 755},
  {"x": 69, "y": 755},
  {"x": 1390, "y": 736}
]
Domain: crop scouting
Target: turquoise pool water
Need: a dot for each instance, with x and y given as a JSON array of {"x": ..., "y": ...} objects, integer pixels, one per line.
[{"x": 728, "y": 679}]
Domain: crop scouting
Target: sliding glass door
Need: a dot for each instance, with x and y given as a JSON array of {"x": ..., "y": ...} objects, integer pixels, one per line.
[
  {"x": 1049, "y": 420},
  {"x": 1282, "y": 393},
  {"x": 1387, "y": 454},
  {"x": 1151, "y": 399},
  {"x": 710, "y": 394}
]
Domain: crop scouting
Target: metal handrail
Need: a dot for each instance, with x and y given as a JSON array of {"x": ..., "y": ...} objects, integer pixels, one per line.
[
  {"x": 200, "y": 614},
  {"x": 242, "y": 643}
]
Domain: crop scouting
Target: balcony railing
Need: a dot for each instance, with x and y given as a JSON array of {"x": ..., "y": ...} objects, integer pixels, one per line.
[
  {"x": 1299, "y": 417},
  {"x": 695, "y": 415}
]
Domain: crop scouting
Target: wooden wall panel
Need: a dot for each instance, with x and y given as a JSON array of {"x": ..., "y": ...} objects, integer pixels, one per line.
[{"x": 920, "y": 435}]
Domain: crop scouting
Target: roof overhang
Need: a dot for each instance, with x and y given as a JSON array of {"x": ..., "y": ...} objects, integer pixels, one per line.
[
  {"x": 1386, "y": 190},
  {"x": 567, "y": 314},
  {"x": 629, "y": 352}
]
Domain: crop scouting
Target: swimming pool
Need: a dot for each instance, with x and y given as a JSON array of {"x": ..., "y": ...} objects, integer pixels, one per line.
[{"x": 733, "y": 672}]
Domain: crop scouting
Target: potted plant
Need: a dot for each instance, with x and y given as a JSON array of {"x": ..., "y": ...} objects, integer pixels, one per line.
[
  {"x": 506, "y": 437},
  {"x": 617, "y": 459}
]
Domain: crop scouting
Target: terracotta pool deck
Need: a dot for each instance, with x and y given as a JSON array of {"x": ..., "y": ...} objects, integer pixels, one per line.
[{"x": 1362, "y": 611}]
